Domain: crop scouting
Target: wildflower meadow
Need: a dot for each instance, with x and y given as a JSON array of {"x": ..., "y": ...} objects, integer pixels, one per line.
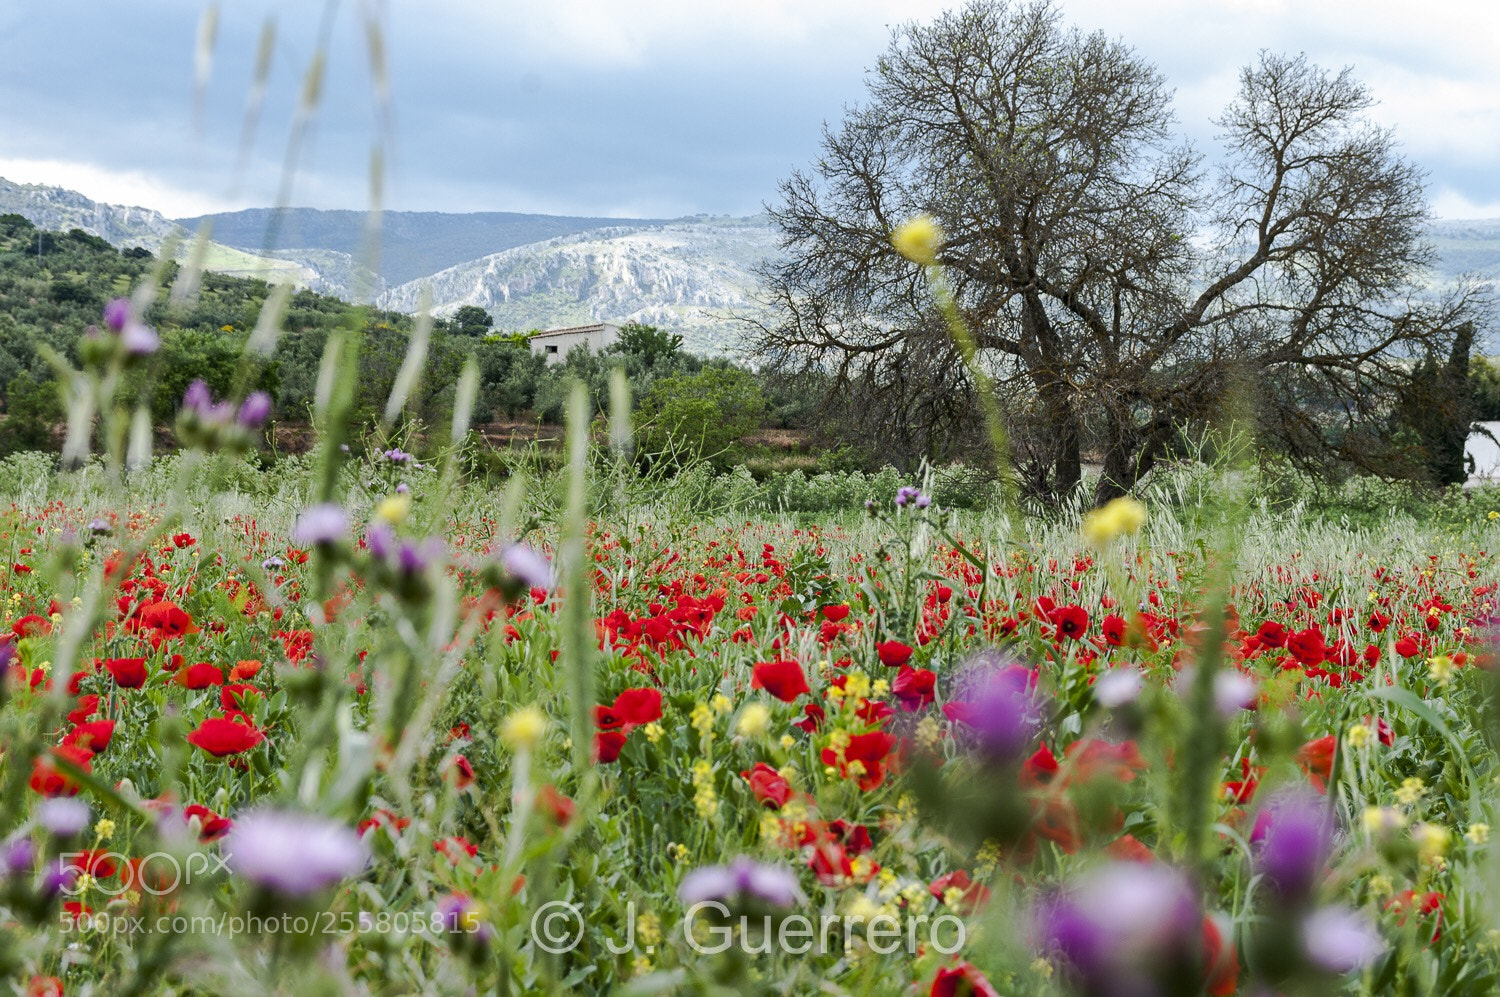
[{"x": 358, "y": 724}]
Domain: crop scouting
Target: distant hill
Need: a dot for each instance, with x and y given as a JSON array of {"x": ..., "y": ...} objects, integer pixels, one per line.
[
  {"x": 693, "y": 276},
  {"x": 412, "y": 243},
  {"x": 59, "y": 210}
]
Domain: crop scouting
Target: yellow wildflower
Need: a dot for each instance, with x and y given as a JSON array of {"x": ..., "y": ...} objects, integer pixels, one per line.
[
  {"x": 1117, "y": 517},
  {"x": 524, "y": 729},
  {"x": 918, "y": 239}
]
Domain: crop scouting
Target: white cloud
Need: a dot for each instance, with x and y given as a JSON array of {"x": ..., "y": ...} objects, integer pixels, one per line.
[
  {"x": 1449, "y": 203},
  {"x": 127, "y": 187}
]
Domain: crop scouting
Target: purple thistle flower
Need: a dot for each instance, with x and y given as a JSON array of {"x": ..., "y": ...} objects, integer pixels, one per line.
[
  {"x": 415, "y": 557},
  {"x": 292, "y": 853},
  {"x": 1294, "y": 835},
  {"x": 321, "y": 524},
  {"x": 272, "y": 564},
  {"x": 743, "y": 880},
  {"x": 117, "y": 313},
  {"x": 1121, "y": 925},
  {"x": 16, "y": 855},
  {"x": 140, "y": 340},
  {"x": 1339, "y": 940},
  {"x": 380, "y": 540},
  {"x": 1118, "y": 687},
  {"x": 524, "y": 563},
  {"x": 254, "y": 410},
  {"x": 63, "y": 816},
  {"x": 996, "y": 698}
]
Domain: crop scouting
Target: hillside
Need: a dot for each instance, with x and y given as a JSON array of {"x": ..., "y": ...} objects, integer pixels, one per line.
[
  {"x": 58, "y": 210},
  {"x": 694, "y": 277},
  {"x": 412, "y": 243}
]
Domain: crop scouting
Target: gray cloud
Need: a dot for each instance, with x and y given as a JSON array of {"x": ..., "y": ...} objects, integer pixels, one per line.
[{"x": 660, "y": 107}]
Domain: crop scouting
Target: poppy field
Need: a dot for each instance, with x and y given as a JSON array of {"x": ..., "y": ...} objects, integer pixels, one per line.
[{"x": 357, "y": 726}]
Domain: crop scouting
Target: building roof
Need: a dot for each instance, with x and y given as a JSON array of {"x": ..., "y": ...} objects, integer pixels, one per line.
[{"x": 574, "y": 330}]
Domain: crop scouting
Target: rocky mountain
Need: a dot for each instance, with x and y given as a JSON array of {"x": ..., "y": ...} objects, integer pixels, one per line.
[
  {"x": 693, "y": 276},
  {"x": 60, "y": 210},
  {"x": 412, "y": 244}
]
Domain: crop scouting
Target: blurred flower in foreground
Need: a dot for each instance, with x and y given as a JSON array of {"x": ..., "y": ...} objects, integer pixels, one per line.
[
  {"x": 291, "y": 853},
  {"x": 520, "y": 561},
  {"x": 997, "y": 700},
  {"x": 918, "y": 239},
  {"x": 1293, "y": 836},
  {"x": 1123, "y": 927},
  {"x": 524, "y": 729},
  {"x": 321, "y": 524},
  {"x": 742, "y": 880},
  {"x": 1114, "y": 518},
  {"x": 1340, "y": 940},
  {"x": 64, "y": 816}
]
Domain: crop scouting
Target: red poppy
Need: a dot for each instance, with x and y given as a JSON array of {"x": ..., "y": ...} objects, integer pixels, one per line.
[
  {"x": 49, "y": 779},
  {"x": 1429, "y": 904},
  {"x": 200, "y": 676},
  {"x": 232, "y": 696},
  {"x": 1221, "y": 967},
  {"x": 96, "y": 863},
  {"x": 962, "y": 980},
  {"x": 783, "y": 679},
  {"x": 128, "y": 673},
  {"x": 1128, "y": 848},
  {"x": 1114, "y": 630},
  {"x": 638, "y": 706},
  {"x": 211, "y": 827},
  {"x": 459, "y": 773},
  {"x": 456, "y": 847},
  {"x": 557, "y": 807},
  {"x": 44, "y": 986},
  {"x": 31, "y": 626},
  {"x": 893, "y": 653},
  {"x": 1316, "y": 759},
  {"x": 914, "y": 688},
  {"x": 831, "y": 864},
  {"x": 607, "y": 746},
  {"x": 87, "y": 707},
  {"x": 244, "y": 670},
  {"x": 768, "y": 785},
  {"x": 1308, "y": 646},
  {"x": 813, "y": 719},
  {"x": 1071, "y": 621},
  {"x": 221, "y": 737},
  {"x": 1091, "y": 758},
  {"x": 1271, "y": 634},
  {"x": 93, "y": 735},
  {"x": 864, "y": 756},
  {"x": 387, "y": 819},
  {"x": 167, "y": 618},
  {"x": 971, "y": 896}
]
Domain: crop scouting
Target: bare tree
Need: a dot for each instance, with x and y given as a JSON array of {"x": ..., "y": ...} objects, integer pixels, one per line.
[{"x": 1119, "y": 291}]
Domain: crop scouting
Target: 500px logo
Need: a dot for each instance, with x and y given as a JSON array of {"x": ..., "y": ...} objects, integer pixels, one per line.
[{"x": 159, "y": 873}]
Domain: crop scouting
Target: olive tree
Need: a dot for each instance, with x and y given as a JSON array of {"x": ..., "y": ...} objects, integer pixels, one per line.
[{"x": 1117, "y": 288}]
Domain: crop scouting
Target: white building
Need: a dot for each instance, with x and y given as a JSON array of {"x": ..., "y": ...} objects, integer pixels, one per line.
[
  {"x": 554, "y": 344},
  {"x": 1484, "y": 453}
]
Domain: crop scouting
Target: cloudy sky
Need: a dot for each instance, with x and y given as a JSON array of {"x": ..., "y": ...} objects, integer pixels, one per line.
[{"x": 627, "y": 107}]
